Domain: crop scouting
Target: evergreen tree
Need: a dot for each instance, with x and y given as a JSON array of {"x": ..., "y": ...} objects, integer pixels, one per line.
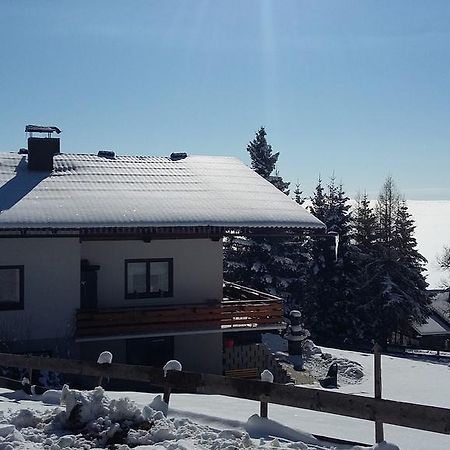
[
  {"x": 328, "y": 304},
  {"x": 395, "y": 288},
  {"x": 318, "y": 202},
  {"x": 264, "y": 161},
  {"x": 364, "y": 224},
  {"x": 364, "y": 236},
  {"x": 387, "y": 206},
  {"x": 298, "y": 194},
  {"x": 263, "y": 263}
]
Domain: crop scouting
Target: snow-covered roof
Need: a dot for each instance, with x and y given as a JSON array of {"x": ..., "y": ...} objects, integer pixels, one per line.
[
  {"x": 439, "y": 320},
  {"x": 88, "y": 191},
  {"x": 432, "y": 326},
  {"x": 440, "y": 304}
]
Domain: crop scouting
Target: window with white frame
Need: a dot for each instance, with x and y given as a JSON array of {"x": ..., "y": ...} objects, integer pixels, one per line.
[
  {"x": 11, "y": 287},
  {"x": 147, "y": 278}
]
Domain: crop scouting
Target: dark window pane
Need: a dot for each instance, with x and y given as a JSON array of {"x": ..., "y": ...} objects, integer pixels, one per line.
[
  {"x": 10, "y": 285},
  {"x": 136, "y": 278},
  {"x": 159, "y": 277}
]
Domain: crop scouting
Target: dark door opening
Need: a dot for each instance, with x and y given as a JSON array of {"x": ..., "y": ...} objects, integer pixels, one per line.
[
  {"x": 150, "y": 351},
  {"x": 88, "y": 285}
]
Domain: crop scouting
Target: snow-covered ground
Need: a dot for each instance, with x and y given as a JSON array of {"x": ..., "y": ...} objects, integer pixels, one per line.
[{"x": 216, "y": 422}]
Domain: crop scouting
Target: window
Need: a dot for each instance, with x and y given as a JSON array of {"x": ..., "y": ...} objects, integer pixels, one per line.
[
  {"x": 11, "y": 287},
  {"x": 145, "y": 278}
]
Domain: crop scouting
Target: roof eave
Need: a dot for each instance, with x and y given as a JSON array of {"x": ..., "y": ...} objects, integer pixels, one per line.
[{"x": 158, "y": 232}]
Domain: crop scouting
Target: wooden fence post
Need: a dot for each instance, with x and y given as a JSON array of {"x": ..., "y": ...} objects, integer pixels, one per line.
[
  {"x": 104, "y": 358},
  {"x": 166, "y": 396},
  {"x": 263, "y": 410},
  {"x": 267, "y": 376},
  {"x": 173, "y": 364},
  {"x": 379, "y": 432}
]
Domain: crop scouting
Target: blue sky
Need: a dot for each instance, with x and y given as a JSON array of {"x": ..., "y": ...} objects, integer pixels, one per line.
[{"x": 356, "y": 88}]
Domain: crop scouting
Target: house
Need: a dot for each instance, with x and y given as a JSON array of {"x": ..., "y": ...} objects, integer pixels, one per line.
[
  {"x": 434, "y": 333},
  {"x": 124, "y": 253}
]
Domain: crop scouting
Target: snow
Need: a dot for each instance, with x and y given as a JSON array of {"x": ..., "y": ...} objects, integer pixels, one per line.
[
  {"x": 217, "y": 422},
  {"x": 173, "y": 364},
  {"x": 122, "y": 420},
  {"x": 105, "y": 358},
  {"x": 267, "y": 376},
  {"x": 441, "y": 304},
  {"x": 143, "y": 191},
  {"x": 315, "y": 361},
  {"x": 431, "y": 326},
  {"x": 432, "y": 233}
]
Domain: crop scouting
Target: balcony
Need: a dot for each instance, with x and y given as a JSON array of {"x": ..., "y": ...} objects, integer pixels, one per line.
[{"x": 240, "y": 309}]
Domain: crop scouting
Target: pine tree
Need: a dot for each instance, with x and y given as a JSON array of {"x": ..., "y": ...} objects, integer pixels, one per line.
[
  {"x": 364, "y": 224},
  {"x": 386, "y": 209},
  {"x": 263, "y": 263},
  {"x": 395, "y": 290},
  {"x": 318, "y": 207},
  {"x": 297, "y": 248},
  {"x": 264, "y": 161},
  {"x": 328, "y": 303},
  {"x": 298, "y": 194},
  {"x": 364, "y": 236}
]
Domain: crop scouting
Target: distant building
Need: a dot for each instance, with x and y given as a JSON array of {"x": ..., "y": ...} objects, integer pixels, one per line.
[{"x": 434, "y": 334}]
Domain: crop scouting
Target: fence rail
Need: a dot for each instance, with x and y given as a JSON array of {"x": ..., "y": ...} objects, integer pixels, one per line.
[{"x": 429, "y": 418}]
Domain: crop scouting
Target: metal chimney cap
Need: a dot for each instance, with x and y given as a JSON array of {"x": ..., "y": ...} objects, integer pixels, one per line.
[
  {"x": 106, "y": 154},
  {"x": 176, "y": 156},
  {"x": 41, "y": 129}
]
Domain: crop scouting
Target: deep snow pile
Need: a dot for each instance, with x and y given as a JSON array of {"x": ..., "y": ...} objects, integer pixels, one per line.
[
  {"x": 315, "y": 361},
  {"x": 90, "y": 419},
  {"x": 349, "y": 372}
]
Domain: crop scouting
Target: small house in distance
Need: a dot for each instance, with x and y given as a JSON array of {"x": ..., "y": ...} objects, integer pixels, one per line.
[
  {"x": 434, "y": 333},
  {"x": 124, "y": 253}
]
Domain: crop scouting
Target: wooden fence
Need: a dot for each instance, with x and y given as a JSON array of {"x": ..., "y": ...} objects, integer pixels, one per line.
[{"x": 429, "y": 418}]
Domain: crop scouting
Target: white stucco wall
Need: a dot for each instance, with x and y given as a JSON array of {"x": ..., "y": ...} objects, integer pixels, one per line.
[
  {"x": 51, "y": 287},
  {"x": 197, "y": 269}
]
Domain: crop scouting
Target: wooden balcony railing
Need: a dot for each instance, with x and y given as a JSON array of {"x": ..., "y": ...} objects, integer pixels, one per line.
[{"x": 241, "y": 308}]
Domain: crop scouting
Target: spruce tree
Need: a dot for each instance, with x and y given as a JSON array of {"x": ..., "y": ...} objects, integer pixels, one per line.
[
  {"x": 298, "y": 194},
  {"x": 328, "y": 303},
  {"x": 264, "y": 161},
  {"x": 364, "y": 236},
  {"x": 364, "y": 224},
  {"x": 263, "y": 263},
  {"x": 395, "y": 291}
]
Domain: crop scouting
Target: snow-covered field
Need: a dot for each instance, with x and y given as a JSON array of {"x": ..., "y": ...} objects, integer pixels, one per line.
[
  {"x": 432, "y": 234},
  {"x": 216, "y": 422}
]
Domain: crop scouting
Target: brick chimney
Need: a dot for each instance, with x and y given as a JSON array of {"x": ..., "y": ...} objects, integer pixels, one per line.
[{"x": 42, "y": 149}]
